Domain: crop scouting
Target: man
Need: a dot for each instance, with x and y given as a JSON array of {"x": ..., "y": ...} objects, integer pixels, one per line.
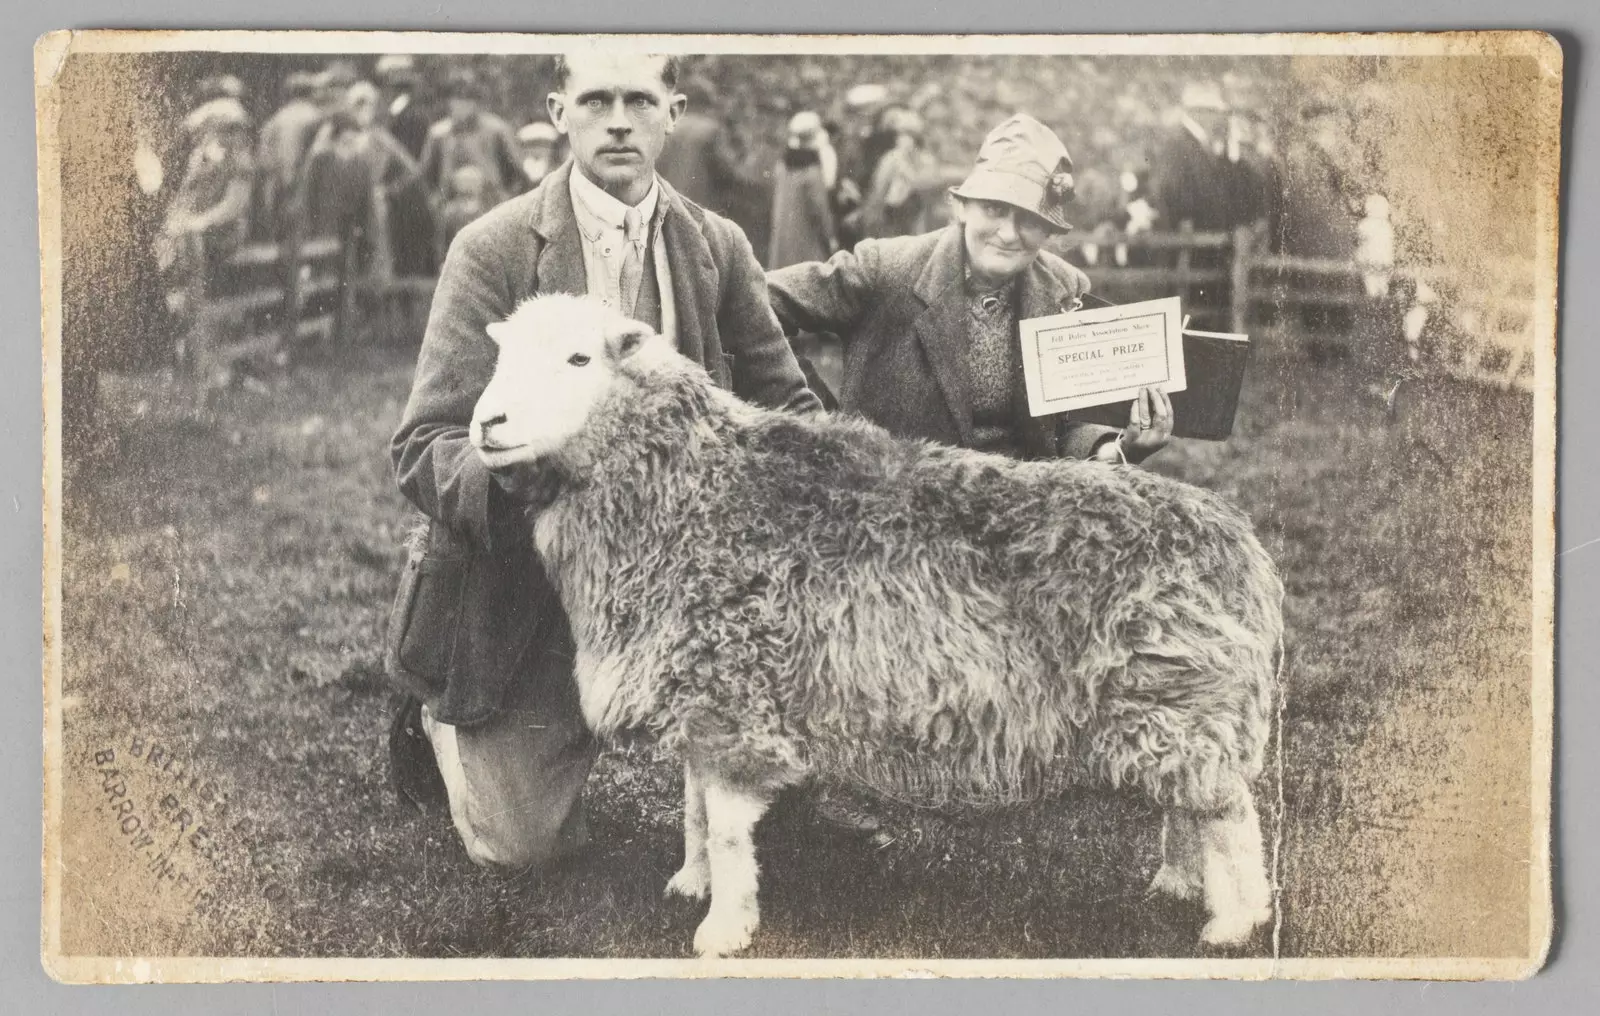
[
  {"x": 701, "y": 160},
  {"x": 281, "y": 147},
  {"x": 470, "y": 135},
  {"x": 411, "y": 222},
  {"x": 1198, "y": 179},
  {"x": 477, "y": 632}
]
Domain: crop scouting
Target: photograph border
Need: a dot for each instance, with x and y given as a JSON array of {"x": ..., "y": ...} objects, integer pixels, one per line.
[{"x": 52, "y": 49}]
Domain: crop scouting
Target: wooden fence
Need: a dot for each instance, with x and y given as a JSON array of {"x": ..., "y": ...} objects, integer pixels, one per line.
[
  {"x": 1231, "y": 279},
  {"x": 260, "y": 305}
]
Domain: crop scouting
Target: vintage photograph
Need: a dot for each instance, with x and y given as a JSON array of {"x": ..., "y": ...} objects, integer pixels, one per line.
[{"x": 529, "y": 506}]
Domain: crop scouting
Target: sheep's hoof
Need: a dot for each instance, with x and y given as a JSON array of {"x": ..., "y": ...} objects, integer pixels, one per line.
[
  {"x": 1174, "y": 882},
  {"x": 1233, "y": 929},
  {"x": 692, "y": 882},
  {"x": 725, "y": 933}
]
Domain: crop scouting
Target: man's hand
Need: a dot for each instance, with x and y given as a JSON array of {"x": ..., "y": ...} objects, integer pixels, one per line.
[{"x": 528, "y": 484}]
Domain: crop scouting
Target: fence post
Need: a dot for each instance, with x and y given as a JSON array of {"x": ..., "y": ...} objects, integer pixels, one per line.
[
  {"x": 290, "y": 265},
  {"x": 1239, "y": 296},
  {"x": 344, "y": 319}
]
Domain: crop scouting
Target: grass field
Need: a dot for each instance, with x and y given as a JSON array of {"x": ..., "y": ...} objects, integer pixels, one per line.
[{"x": 227, "y": 576}]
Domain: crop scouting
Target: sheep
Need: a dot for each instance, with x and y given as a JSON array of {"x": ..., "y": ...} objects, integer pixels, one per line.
[{"x": 781, "y": 597}]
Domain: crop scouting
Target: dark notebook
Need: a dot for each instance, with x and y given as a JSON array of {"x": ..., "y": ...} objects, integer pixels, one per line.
[{"x": 1213, "y": 363}]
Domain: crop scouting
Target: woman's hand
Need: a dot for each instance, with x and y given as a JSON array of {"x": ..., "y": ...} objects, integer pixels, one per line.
[
  {"x": 1149, "y": 425},
  {"x": 1148, "y": 431}
]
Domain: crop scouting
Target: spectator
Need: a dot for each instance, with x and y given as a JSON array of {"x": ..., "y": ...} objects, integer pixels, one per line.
[
  {"x": 466, "y": 199},
  {"x": 897, "y": 202},
  {"x": 353, "y": 169},
  {"x": 404, "y": 115},
  {"x": 280, "y": 151},
  {"x": 470, "y": 135},
  {"x": 701, "y": 159},
  {"x": 411, "y": 221},
  {"x": 1318, "y": 216},
  {"x": 802, "y": 219},
  {"x": 209, "y": 215},
  {"x": 1195, "y": 182},
  {"x": 538, "y": 143}
]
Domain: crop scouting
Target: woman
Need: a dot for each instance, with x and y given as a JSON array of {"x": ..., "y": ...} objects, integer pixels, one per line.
[
  {"x": 802, "y": 216},
  {"x": 929, "y": 323}
]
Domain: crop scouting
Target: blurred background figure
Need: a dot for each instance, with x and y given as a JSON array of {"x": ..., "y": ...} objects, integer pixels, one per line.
[
  {"x": 467, "y": 197},
  {"x": 1375, "y": 246},
  {"x": 854, "y": 138},
  {"x": 702, "y": 159},
  {"x": 1198, "y": 179},
  {"x": 353, "y": 170},
  {"x": 208, "y": 217},
  {"x": 802, "y": 209},
  {"x": 1193, "y": 182},
  {"x": 1318, "y": 214},
  {"x": 538, "y": 144},
  {"x": 411, "y": 226},
  {"x": 470, "y": 136},
  {"x": 896, "y": 204},
  {"x": 279, "y": 152},
  {"x": 405, "y": 114}
]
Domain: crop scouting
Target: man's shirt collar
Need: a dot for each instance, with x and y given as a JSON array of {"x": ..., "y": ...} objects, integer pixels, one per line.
[{"x": 598, "y": 211}]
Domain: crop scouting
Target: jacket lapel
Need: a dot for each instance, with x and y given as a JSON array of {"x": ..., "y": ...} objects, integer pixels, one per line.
[
  {"x": 694, "y": 284},
  {"x": 559, "y": 268},
  {"x": 942, "y": 326}
]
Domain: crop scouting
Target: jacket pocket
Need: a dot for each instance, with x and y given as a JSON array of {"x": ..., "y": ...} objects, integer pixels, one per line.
[{"x": 425, "y": 621}]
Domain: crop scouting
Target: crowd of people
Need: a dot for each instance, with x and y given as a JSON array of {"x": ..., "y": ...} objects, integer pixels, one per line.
[{"x": 397, "y": 161}]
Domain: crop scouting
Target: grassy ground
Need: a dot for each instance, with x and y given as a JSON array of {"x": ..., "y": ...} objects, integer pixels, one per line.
[{"x": 227, "y": 576}]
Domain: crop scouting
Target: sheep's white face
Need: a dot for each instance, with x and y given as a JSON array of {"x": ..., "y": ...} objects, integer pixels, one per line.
[{"x": 559, "y": 356}]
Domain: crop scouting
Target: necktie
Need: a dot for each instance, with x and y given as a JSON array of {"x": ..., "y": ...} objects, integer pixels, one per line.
[{"x": 632, "y": 260}]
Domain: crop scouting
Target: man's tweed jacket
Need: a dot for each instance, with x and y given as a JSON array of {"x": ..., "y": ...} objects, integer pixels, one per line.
[{"x": 473, "y": 613}]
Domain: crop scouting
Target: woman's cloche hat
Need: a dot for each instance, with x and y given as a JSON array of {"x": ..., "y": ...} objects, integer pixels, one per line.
[{"x": 1023, "y": 164}]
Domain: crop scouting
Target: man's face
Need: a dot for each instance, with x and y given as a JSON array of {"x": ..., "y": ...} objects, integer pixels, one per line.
[
  {"x": 462, "y": 107},
  {"x": 616, "y": 113}
]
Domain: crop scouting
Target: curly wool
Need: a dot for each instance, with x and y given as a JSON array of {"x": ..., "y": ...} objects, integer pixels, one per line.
[{"x": 782, "y": 597}]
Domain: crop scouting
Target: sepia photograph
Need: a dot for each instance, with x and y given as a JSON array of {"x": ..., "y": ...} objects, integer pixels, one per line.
[{"x": 611, "y": 506}]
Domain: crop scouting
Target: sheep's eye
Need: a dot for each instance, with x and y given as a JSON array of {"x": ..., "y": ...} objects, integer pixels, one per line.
[{"x": 578, "y": 359}]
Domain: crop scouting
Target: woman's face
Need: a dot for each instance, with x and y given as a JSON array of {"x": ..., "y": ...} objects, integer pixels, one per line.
[{"x": 1002, "y": 240}]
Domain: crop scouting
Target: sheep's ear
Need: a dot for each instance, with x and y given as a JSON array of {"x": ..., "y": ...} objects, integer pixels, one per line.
[
  {"x": 625, "y": 340},
  {"x": 497, "y": 331}
]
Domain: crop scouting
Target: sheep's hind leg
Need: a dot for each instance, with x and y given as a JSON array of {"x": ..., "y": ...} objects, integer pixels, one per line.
[
  {"x": 731, "y": 816},
  {"x": 1181, "y": 874},
  {"x": 693, "y": 880},
  {"x": 1238, "y": 895}
]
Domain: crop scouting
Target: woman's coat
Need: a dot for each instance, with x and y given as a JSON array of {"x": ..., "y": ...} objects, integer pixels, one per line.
[{"x": 899, "y": 305}]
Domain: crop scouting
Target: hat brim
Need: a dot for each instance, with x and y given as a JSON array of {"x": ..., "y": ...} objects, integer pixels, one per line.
[{"x": 1016, "y": 191}]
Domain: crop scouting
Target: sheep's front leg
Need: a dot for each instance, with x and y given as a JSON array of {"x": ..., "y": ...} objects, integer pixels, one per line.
[
  {"x": 1182, "y": 872},
  {"x": 1237, "y": 892},
  {"x": 693, "y": 880},
  {"x": 731, "y": 816}
]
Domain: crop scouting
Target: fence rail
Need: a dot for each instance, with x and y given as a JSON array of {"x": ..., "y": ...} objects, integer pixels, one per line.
[
  {"x": 1237, "y": 279},
  {"x": 1226, "y": 277}
]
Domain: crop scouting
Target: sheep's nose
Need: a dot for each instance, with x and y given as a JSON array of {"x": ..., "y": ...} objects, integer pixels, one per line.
[{"x": 492, "y": 421}]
